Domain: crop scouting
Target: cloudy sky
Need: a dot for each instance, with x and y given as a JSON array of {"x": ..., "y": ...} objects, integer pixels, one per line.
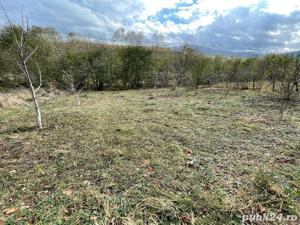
[{"x": 261, "y": 26}]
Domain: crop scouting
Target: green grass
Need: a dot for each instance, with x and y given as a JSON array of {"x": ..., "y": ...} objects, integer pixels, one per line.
[{"x": 179, "y": 157}]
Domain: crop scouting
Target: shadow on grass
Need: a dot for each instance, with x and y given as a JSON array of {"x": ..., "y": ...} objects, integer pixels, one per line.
[{"x": 17, "y": 130}]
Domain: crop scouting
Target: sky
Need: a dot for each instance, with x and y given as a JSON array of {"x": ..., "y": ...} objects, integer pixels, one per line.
[{"x": 261, "y": 26}]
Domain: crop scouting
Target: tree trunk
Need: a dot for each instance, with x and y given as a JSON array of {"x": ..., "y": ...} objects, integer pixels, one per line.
[
  {"x": 99, "y": 85},
  {"x": 36, "y": 107},
  {"x": 273, "y": 83},
  {"x": 33, "y": 94},
  {"x": 253, "y": 84},
  {"x": 282, "y": 106},
  {"x": 38, "y": 114},
  {"x": 77, "y": 98},
  {"x": 156, "y": 81}
]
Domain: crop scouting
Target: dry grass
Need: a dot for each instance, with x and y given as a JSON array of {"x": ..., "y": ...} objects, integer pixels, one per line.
[
  {"x": 22, "y": 97},
  {"x": 150, "y": 157},
  {"x": 14, "y": 98}
]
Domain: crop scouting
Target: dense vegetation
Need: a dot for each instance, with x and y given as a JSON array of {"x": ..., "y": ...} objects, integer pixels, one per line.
[{"x": 97, "y": 66}]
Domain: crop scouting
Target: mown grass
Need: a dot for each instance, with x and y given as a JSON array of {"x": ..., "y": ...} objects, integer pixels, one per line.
[{"x": 150, "y": 157}]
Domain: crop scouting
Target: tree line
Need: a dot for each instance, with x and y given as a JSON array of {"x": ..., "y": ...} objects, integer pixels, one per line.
[{"x": 75, "y": 64}]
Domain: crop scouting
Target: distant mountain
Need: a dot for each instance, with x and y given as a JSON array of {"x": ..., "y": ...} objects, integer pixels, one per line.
[
  {"x": 223, "y": 52},
  {"x": 231, "y": 53},
  {"x": 296, "y": 53}
]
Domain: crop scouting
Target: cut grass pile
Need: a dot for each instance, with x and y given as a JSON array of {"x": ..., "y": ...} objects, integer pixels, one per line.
[{"x": 149, "y": 157}]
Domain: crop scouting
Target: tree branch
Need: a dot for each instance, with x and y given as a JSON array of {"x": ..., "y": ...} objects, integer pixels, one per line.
[
  {"x": 40, "y": 78},
  {"x": 28, "y": 57}
]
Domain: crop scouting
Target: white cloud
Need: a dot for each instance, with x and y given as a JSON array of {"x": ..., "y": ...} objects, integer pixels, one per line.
[
  {"x": 96, "y": 17},
  {"x": 274, "y": 33},
  {"x": 283, "y": 7},
  {"x": 201, "y": 13},
  {"x": 154, "y": 6},
  {"x": 185, "y": 14}
]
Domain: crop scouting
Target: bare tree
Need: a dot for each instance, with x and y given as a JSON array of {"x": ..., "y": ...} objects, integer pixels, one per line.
[
  {"x": 22, "y": 56},
  {"x": 75, "y": 87},
  {"x": 119, "y": 36},
  {"x": 76, "y": 78},
  {"x": 133, "y": 38},
  {"x": 74, "y": 64},
  {"x": 158, "y": 40},
  {"x": 78, "y": 69}
]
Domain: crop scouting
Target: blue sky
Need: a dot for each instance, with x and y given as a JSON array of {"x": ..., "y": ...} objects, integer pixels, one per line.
[{"x": 261, "y": 26}]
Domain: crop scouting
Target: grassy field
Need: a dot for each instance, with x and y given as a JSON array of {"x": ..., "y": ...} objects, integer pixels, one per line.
[{"x": 150, "y": 157}]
